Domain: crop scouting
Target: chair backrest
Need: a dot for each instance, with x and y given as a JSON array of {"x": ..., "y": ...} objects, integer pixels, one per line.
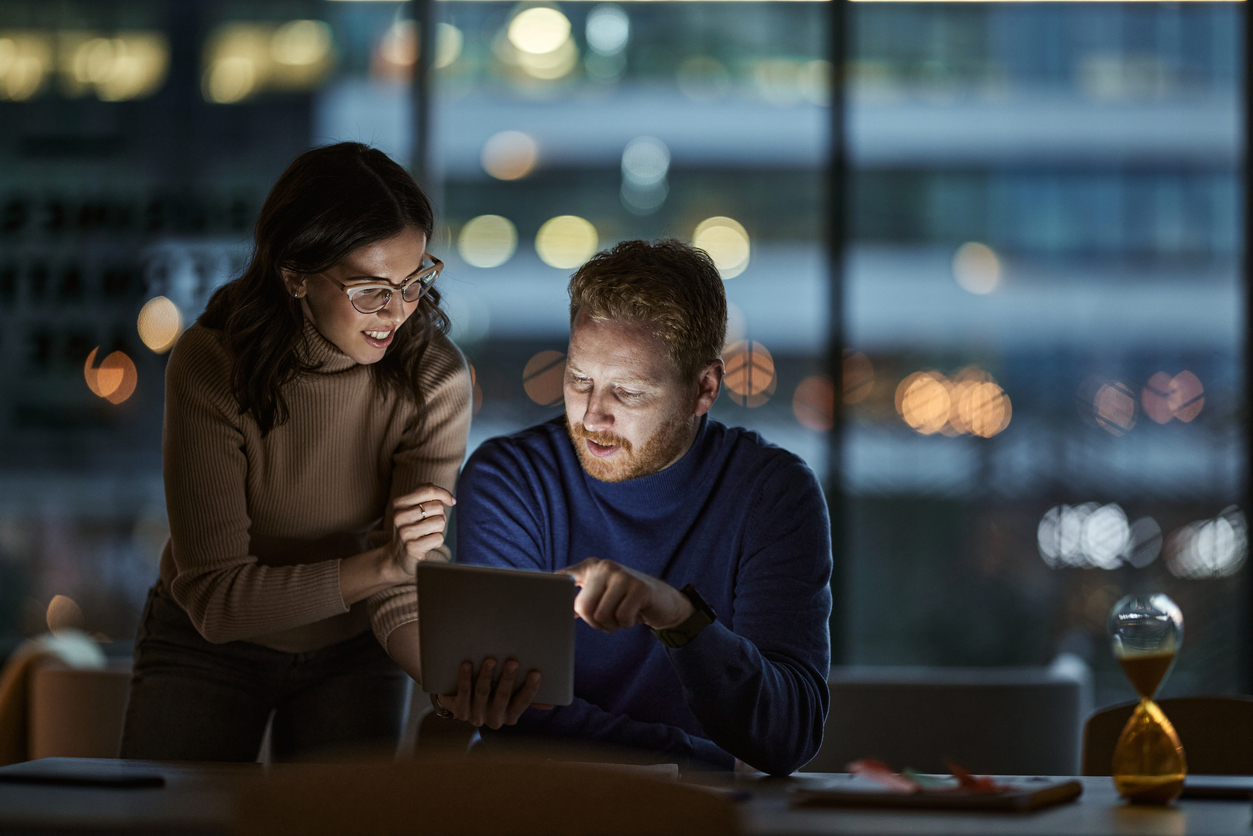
[
  {"x": 476, "y": 796},
  {"x": 1216, "y": 732},
  {"x": 1002, "y": 721},
  {"x": 77, "y": 712}
]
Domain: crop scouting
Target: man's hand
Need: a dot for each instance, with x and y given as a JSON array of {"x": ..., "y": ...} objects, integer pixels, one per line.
[
  {"x": 482, "y": 705},
  {"x": 612, "y": 597},
  {"x": 419, "y": 521}
]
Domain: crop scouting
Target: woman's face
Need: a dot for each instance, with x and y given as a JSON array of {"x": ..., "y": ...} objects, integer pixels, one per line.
[{"x": 363, "y": 337}]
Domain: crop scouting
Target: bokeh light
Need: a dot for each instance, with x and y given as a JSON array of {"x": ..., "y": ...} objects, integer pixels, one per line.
[
  {"x": 1165, "y": 398},
  {"x": 509, "y": 155},
  {"x": 749, "y": 377},
  {"x": 230, "y": 79},
  {"x": 449, "y": 42},
  {"x": 539, "y": 30},
  {"x": 645, "y": 161},
  {"x": 25, "y": 63},
  {"x": 1088, "y": 535},
  {"x": 114, "y": 380},
  {"x": 1214, "y": 548},
  {"x": 130, "y": 66},
  {"x": 566, "y": 241},
  {"x": 976, "y": 268},
  {"x": 242, "y": 59},
  {"x": 399, "y": 48},
  {"x": 64, "y": 613},
  {"x": 160, "y": 324},
  {"x": 645, "y": 164},
  {"x": 858, "y": 374},
  {"x": 301, "y": 43},
  {"x": 608, "y": 29},
  {"x": 543, "y": 376},
  {"x": 814, "y": 403},
  {"x": 923, "y": 401},
  {"x": 1115, "y": 408},
  {"x": 487, "y": 241},
  {"x": 972, "y": 403},
  {"x": 727, "y": 243},
  {"x": 983, "y": 409}
]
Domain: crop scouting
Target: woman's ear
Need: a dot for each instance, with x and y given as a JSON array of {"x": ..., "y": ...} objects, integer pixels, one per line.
[{"x": 294, "y": 282}]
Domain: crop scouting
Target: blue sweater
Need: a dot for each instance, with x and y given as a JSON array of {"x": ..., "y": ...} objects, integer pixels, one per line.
[{"x": 742, "y": 520}]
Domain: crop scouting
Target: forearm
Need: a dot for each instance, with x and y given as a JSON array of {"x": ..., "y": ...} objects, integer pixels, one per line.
[
  {"x": 767, "y": 712},
  {"x": 362, "y": 575},
  {"x": 402, "y": 646}
]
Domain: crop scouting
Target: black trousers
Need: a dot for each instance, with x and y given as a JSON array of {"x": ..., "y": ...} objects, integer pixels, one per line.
[{"x": 194, "y": 700}]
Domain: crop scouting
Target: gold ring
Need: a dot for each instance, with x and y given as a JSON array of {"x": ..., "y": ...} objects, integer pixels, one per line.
[{"x": 422, "y": 509}]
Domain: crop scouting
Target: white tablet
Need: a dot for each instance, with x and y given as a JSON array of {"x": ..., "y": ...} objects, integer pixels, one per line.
[{"x": 473, "y": 612}]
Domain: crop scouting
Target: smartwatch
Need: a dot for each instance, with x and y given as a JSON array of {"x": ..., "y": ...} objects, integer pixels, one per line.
[{"x": 701, "y": 618}]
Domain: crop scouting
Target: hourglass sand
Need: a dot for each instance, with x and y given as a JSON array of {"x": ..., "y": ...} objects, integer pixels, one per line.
[{"x": 1149, "y": 765}]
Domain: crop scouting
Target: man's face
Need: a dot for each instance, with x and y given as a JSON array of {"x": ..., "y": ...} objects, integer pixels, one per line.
[{"x": 628, "y": 410}]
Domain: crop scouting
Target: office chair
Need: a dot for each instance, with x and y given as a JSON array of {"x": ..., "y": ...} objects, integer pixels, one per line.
[{"x": 1216, "y": 732}]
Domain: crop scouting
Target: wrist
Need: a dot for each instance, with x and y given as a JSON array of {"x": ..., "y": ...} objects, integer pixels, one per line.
[
  {"x": 681, "y": 610},
  {"x": 390, "y": 570},
  {"x": 702, "y": 615}
]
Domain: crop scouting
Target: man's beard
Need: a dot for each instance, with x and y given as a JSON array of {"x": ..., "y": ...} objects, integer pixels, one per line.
[{"x": 663, "y": 447}]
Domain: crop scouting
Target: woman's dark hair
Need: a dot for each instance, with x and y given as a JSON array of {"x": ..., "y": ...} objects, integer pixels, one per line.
[{"x": 329, "y": 202}]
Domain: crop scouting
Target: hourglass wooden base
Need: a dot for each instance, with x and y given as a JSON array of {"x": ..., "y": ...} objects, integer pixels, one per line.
[{"x": 1149, "y": 764}]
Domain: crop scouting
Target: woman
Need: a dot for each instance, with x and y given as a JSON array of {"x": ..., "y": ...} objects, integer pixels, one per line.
[{"x": 315, "y": 418}]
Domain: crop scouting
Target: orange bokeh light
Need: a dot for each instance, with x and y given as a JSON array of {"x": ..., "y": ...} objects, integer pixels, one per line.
[
  {"x": 970, "y": 404},
  {"x": 925, "y": 402},
  {"x": 814, "y": 403},
  {"x": 114, "y": 380},
  {"x": 543, "y": 377},
  {"x": 749, "y": 376},
  {"x": 1165, "y": 397}
]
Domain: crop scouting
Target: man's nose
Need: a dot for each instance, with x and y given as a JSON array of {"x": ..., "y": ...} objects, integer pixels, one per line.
[{"x": 596, "y": 412}]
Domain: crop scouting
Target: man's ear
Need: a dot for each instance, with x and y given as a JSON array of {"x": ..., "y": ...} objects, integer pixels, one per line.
[{"x": 708, "y": 383}]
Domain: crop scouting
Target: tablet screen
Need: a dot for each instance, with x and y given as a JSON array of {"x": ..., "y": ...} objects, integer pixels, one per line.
[{"x": 473, "y": 612}]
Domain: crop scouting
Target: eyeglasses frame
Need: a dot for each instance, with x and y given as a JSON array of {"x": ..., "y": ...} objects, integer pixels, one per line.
[{"x": 433, "y": 272}]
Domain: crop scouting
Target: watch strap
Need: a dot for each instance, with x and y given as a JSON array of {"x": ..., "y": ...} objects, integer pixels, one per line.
[{"x": 702, "y": 616}]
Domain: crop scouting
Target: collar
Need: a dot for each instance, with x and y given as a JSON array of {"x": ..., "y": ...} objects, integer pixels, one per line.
[
  {"x": 661, "y": 490},
  {"x": 321, "y": 352}
]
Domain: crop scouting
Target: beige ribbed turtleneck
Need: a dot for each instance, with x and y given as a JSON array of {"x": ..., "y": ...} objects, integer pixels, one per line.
[{"x": 258, "y": 525}]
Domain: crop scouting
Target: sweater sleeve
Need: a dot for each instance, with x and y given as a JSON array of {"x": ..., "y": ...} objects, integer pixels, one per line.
[
  {"x": 761, "y": 691},
  {"x": 224, "y": 590},
  {"x": 431, "y": 452}
]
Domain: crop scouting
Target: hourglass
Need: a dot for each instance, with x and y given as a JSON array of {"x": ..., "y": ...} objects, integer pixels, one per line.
[{"x": 1149, "y": 765}]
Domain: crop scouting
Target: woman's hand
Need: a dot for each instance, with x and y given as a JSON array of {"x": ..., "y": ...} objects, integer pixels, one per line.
[
  {"x": 419, "y": 522},
  {"x": 481, "y": 704}
]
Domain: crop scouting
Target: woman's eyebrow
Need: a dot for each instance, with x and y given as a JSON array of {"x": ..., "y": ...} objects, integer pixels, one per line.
[{"x": 380, "y": 279}]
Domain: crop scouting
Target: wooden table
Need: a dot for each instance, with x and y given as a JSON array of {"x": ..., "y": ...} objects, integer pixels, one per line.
[{"x": 200, "y": 799}]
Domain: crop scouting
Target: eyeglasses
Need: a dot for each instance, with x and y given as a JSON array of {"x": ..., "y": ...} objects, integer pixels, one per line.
[{"x": 372, "y": 298}]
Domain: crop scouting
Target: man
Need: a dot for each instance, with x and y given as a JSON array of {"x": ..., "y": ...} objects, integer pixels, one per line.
[{"x": 702, "y": 554}]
